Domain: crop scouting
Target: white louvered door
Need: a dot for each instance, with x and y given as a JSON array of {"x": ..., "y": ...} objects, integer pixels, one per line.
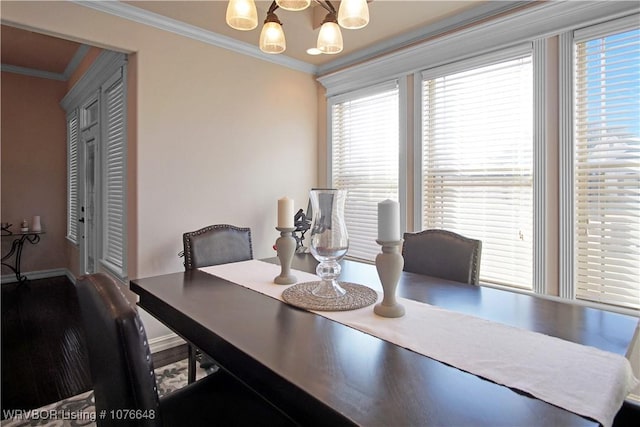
[{"x": 113, "y": 253}]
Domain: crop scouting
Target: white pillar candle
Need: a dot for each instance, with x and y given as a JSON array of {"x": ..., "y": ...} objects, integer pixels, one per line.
[
  {"x": 285, "y": 212},
  {"x": 35, "y": 223},
  {"x": 388, "y": 221}
]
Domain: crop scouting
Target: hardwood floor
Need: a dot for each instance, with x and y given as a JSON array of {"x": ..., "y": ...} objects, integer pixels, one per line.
[{"x": 44, "y": 356}]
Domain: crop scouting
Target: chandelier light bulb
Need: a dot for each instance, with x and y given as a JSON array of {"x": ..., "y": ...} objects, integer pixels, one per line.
[
  {"x": 242, "y": 15},
  {"x": 330, "y": 37},
  {"x": 353, "y": 14},
  {"x": 294, "y": 5},
  {"x": 272, "y": 38}
]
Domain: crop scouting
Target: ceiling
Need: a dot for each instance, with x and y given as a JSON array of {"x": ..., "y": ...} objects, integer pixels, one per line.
[
  {"x": 388, "y": 18},
  {"x": 392, "y": 22},
  {"x": 29, "y": 50}
]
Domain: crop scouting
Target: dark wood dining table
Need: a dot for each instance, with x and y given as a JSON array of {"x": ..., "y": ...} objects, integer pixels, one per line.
[{"x": 321, "y": 372}]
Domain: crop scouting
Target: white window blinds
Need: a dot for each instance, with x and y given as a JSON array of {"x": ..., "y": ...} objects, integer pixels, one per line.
[
  {"x": 72, "y": 177},
  {"x": 607, "y": 166},
  {"x": 364, "y": 160},
  {"x": 477, "y": 148},
  {"x": 114, "y": 174}
]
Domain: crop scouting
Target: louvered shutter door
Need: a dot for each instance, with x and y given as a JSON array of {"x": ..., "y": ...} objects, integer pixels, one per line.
[
  {"x": 72, "y": 177},
  {"x": 114, "y": 174}
]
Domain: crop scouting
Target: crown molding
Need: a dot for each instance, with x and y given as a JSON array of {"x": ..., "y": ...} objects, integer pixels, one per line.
[
  {"x": 105, "y": 64},
  {"x": 32, "y": 72},
  {"x": 162, "y": 22},
  {"x": 132, "y": 13},
  {"x": 468, "y": 17},
  {"x": 75, "y": 61},
  {"x": 542, "y": 20}
]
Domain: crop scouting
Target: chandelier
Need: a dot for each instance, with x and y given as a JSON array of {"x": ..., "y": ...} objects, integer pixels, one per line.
[{"x": 352, "y": 14}]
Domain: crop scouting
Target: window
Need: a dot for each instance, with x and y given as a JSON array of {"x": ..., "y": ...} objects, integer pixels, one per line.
[
  {"x": 526, "y": 136},
  {"x": 90, "y": 114},
  {"x": 72, "y": 177},
  {"x": 606, "y": 173},
  {"x": 364, "y": 160},
  {"x": 477, "y": 160}
]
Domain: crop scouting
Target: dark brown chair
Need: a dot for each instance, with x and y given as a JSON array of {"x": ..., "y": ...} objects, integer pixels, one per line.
[
  {"x": 443, "y": 254},
  {"x": 213, "y": 245},
  {"x": 123, "y": 377}
]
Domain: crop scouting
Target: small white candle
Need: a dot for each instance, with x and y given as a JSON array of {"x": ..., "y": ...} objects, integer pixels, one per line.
[
  {"x": 285, "y": 212},
  {"x": 388, "y": 221},
  {"x": 35, "y": 223}
]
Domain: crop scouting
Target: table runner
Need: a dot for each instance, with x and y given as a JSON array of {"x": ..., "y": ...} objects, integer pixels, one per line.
[{"x": 582, "y": 379}]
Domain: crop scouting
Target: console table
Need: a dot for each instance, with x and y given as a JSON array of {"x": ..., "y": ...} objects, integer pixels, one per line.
[{"x": 17, "y": 244}]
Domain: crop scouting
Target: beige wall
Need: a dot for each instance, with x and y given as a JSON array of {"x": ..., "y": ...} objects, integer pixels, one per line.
[
  {"x": 34, "y": 166},
  {"x": 34, "y": 123},
  {"x": 219, "y": 136}
]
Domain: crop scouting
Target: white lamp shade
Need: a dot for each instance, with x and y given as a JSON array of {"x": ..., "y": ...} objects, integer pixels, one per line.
[
  {"x": 242, "y": 15},
  {"x": 272, "y": 38},
  {"x": 330, "y": 38},
  {"x": 293, "y": 4},
  {"x": 353, "y": 14}
]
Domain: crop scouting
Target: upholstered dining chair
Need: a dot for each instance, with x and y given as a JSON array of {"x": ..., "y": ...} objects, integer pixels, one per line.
[
  {"x": 443, "y": 254},
  {"x": 216, "y": 244},
  {"x": 124, "y": 383},
  {"x": 213, "y": 245}
]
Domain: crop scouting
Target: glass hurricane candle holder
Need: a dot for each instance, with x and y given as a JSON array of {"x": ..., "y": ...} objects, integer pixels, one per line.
[{"x": 329, "y": 239}]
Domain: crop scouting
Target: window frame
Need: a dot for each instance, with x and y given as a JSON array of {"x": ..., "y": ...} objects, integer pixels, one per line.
[
  {"x": 99, "y": 75},
  {"x": 401, "y": 85},
  {"x": 539, "y": 238},
  {"x": 567, "y": 234},
  {"x": 545, "y": 26}
]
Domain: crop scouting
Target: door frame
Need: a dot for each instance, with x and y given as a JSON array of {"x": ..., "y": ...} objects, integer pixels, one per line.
[
  {"x": 89, "y": 222},
  {"x": 86, "y": 91}
]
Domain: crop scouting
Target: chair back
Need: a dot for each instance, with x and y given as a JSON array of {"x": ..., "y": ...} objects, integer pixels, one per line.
[
  {"x": 119, "y": 356},
  {"x": 216, "y": 244},
  {"x": 442, "y": 254}
]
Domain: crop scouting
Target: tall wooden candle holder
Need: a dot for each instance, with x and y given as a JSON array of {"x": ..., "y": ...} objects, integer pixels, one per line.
[
  {"x": 286, "y": 246},
  {"x": 389, "y": 264}
]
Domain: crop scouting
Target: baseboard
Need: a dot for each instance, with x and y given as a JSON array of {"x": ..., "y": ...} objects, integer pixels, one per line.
[
  {"x": 165, "y": 342},
  {"x": 41, "y": 274}
]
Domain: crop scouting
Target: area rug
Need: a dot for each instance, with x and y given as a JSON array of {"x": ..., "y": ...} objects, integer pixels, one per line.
[{"x": 80, "y": 410}]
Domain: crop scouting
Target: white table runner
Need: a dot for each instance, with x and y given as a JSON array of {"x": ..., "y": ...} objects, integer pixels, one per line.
[{"x": 584, "y": 380}]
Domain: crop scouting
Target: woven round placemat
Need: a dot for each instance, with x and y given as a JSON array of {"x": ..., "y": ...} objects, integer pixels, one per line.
[{"x": 357, "y": 296}]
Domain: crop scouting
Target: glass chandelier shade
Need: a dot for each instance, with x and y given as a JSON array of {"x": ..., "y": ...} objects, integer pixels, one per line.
[
  {"x": 294, "y": 5},
  {"x": 272, "y": 36},
  {"x": 330, "y": 37},
  {"x": 242, "y": 15},
  {"x": 353, "y": 14}
]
